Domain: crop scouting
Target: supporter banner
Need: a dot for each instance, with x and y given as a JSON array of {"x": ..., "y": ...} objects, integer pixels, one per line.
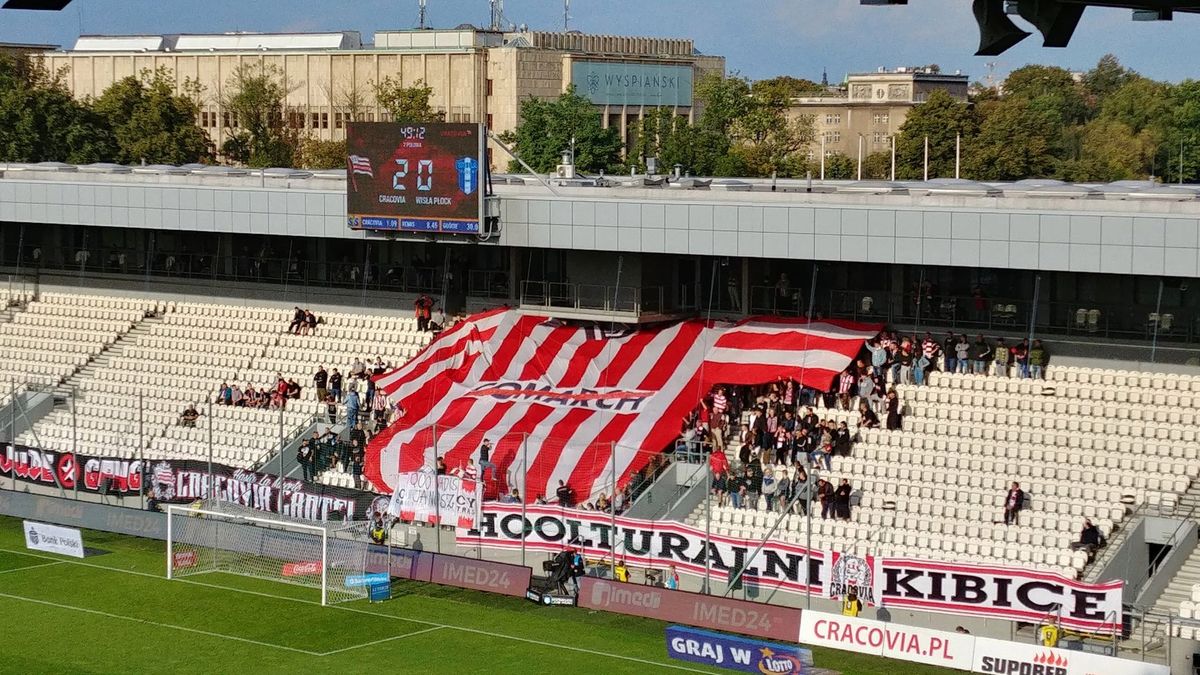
[
  {"x": 184, "y": 481},
  {"x": 644, "y": 543},
  {"x": 53, "y": 539},
  {"x": 895, "y": 641},
  {"x": 1012, "y": 593},
  {"x": 417, "y": 492},
  {"x": 853, "y": 572},
  {"x": 72, "y": 472},
  {"x": 735, "y": 653},
  {"x": 1000, "y": 592},
  {"x": 590, "y": 402},
  {"x": 705, "y": 611},
  {"x": 1014, "y": 658}
]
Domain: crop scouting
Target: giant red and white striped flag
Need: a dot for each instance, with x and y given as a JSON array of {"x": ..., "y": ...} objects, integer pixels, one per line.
[{"x": 580, "y": 405}]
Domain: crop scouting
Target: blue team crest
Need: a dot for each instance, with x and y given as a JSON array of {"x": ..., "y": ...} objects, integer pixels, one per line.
[{"x": 468, "y": 174}]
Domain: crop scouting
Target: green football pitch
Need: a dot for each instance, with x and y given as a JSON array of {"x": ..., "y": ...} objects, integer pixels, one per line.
[{"x": 115, "y": 612}]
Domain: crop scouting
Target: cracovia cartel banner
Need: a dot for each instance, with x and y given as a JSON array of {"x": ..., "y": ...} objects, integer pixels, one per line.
[{"x": 1013, "y": 593}]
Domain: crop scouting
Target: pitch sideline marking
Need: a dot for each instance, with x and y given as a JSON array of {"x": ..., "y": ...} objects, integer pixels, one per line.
[
  {"x": 584, "y": 650},
  {"x": 386, "y": 639},
  {"x": 32, "y": 567},
  {"x": 122, "y": 617}
]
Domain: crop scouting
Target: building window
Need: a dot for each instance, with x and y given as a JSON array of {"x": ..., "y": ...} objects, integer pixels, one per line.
[
  {"x": 316, "y": 120},
  {"x": 833, "y": 137},
  {"x": 833, "y": 119},
  {"x": 880, "y": 137},
  {"x": 880, "y": 118},
  {"x": 229, "y": 120},
  {"x": 296, "y": 120},
  {"x": 489, "y": 86},
  {"x": 812, "y": 154},
  {"x": 339, "y": 120},
  {"x": 324, "y": 120}
]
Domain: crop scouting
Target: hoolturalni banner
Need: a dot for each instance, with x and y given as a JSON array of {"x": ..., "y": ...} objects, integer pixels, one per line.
[
  {"x": 1011, "y": 593},
  {"x": 417, "y": 497},
  {"x": 579, "y": 404}
]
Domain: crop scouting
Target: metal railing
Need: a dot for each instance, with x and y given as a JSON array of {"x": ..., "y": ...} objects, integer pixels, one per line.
[{"x": 591, "y": 297}]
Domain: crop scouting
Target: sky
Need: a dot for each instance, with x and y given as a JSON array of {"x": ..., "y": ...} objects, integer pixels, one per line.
[{"x": 759, "y": 38}]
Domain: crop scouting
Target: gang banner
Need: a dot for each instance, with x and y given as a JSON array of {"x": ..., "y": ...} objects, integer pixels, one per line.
[
  {"x": 1013, "y": 593},
  {"x": 417, "y": 492},
  {"x": 70, "y": 471}
]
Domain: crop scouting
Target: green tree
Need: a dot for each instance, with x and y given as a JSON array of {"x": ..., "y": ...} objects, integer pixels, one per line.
[
  {"x": 406, "y": 104},
  {"x": 151, "y": 122},
  {"x": 877, "y": 166},
  {"x": 1015, "y": 140},
  {"x": 941, "y": 119},
  {"x": 747, "y": 131},
  {"x": 784, "y": 88},
  {"x": 314, "y": 153},
  {"x": 548, "y": 127},
  {"x": 1050, "y": 88},
  {"x": 40, "y": 121},
  {"x": 1183, "y": 134},
  {"x": 1105, "y": 78},
  {"x": 1109, "y": 150},
  {"x": 840, "y": 167},
  {"x": 260, "y": 134}
]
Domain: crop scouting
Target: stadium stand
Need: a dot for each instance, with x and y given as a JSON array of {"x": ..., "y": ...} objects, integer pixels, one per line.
[
  {"x": 1083, "y": 443},
  {"x": 119, "y": 355}
]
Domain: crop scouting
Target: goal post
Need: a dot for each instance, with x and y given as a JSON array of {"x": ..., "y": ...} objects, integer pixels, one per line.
[{"x": 203, "y": 541}]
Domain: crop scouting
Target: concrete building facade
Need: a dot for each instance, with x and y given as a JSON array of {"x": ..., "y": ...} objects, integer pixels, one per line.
[
  {"x": 476, "y": 75},
  {"x": 871, "y": 106}
]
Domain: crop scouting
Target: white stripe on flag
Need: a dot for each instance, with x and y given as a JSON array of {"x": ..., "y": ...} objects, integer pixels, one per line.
[{"x": 813, "y": 358}]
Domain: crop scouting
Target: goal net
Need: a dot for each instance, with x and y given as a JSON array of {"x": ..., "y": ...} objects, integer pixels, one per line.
[{"x": 204, "y": 540}]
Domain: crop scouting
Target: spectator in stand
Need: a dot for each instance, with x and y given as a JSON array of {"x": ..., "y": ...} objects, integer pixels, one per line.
[
  {"x": 866, "y": 391},
  {"x": 1090, "y": 538},
  {"x": 469, "y": 471},
  {"x": 748, "y": 442},
  {"x": 821, "y": 453},
  {"x": 358, "y": 368},
  {"x": 513, "y": 497},
  {"x": 798, "y": 491},
  {"x": 736, "y": 488},
  {"x": 297, "y": 321},
  {"x": 485, "y": 460},
  {"x": 440, "y": 467},
  {"x": 423, "y": 307},
  {"x": 845, "y": 388},
  {"x": 841, "y": 440},
  {"x": 352, "y": 407},
  {"x": 867, "y": 417},
  {"x": 380, "y": 409},
  {"x": 962, "y": 353},
  {"x": 1000, "y": 356},
  {"x": 720, "y": 487},
  {"x": 825, "y": 497},
  {"x": 379, "y": 367},
  {"x": 1039, "y": 358},
  {"x": 770, "y": 485},
  {"x": 841, "y": 500},
  {"x": 320, "y": 380},
  {"x": 950, "y": 353},
  {"x": 893, "y": 411},
  {"x": 602, "y": 503},
  {"x": 879, "y": 355},
  {"x": 672, "y": 580},
  {"x": 331, "y": 409},
  {"x": 357, "y": 433},
  {"x": 1020, "y": 359},
  {"x": 293, "y": 389},
  {"x": 927, "y": 358},
  {"x": 189, "y": 416},
  {"x": 310, "y": 322},
  {"x": 305, "y": 457},
  {"x": 236, "y": 397},
  {"x": 566, "y": 496},
  {"x": 224, "y": 395},
  {"x": 981, "y": 356},
  {"x": 810, "y": 418},
  {"x": 754, "y": 478},
  {"x": 335, "y": 385},
  {"x": 1014, "y": 501},
  {"x": 905, "y": 361}
]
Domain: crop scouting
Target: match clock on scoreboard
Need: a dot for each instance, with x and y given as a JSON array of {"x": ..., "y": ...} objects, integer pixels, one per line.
[{"x": 414, "y": 177}]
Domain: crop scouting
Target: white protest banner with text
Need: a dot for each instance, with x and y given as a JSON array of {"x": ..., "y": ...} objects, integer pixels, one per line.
[
  {"x": 53, "y": 539},
  {"x": 417, "y": 493}
]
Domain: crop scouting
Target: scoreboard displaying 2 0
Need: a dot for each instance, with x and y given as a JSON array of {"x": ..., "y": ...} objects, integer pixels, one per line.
[{"x": 414, "y": 177}]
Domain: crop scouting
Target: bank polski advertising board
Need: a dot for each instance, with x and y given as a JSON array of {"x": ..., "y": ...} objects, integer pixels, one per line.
[
  {"x": 907, "y": 643},
  {"x": 53, "y": 539}
]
